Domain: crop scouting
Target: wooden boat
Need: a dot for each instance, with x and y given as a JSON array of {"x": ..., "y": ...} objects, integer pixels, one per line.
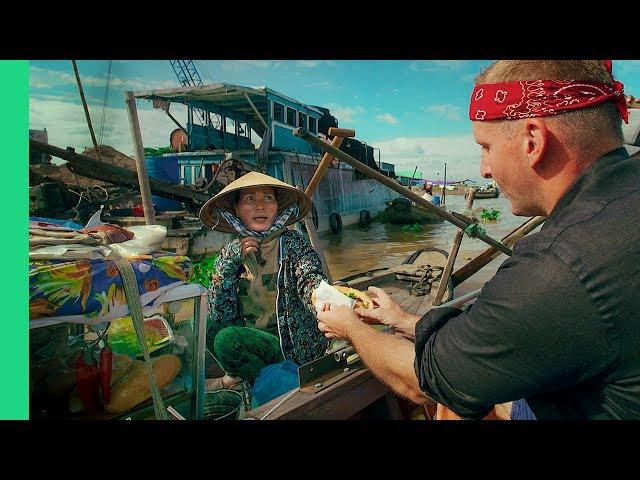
[
  {"x": 401, "y": 211},
  {"x": 486, "y": 193},
  {"x": 399, "y": 281},
  {"x": 338, "y": 385}
]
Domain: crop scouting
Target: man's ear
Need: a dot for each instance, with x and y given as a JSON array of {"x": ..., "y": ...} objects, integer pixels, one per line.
[{"x": 535, "y": 141}]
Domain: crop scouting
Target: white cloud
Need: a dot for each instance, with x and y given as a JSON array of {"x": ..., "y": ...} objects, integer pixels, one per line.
[
  {"x": 242, "y": 65},
  {"x": 66, "y": 124},
  {"x": 325, "y": 85},
  {"x": 64, "y": 97},
  {"x": 435, "y": 65},
  {"x": 314, "y": 63},
  {"x": 308, "y": 63},
  {"x": 395, "y": 91},
  {"x": 387, "y": 118},
  {"x": 446, "y": 110},
  {"x": 460, "y": 152},
  {"x": 44, "y": 78},
  {"x": 345, "y": 114}
]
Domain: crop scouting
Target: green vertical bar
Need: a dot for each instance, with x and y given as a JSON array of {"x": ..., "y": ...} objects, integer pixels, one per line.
[{"x": 14, "y": 350}]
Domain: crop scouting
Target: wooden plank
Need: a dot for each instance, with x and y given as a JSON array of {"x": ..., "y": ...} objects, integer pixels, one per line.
[
  {"x": 411, "y": 303},
  {"x": 100, "y": 170},
  {"x": 376, "y": 281},
  {"x": 339, "y": 401},
  {"x": 393, "y": 407}
]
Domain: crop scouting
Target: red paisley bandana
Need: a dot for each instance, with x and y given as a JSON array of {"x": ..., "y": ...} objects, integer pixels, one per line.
[{"x": 541, "y": 98}]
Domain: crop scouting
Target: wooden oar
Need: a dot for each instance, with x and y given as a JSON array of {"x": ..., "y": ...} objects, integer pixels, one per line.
[
  {"x": 339, "y": 134},
  {"x": 395, "y": 186}
]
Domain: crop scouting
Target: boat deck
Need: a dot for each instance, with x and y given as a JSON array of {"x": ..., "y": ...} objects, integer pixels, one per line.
[{"x": 356, "y": 389}]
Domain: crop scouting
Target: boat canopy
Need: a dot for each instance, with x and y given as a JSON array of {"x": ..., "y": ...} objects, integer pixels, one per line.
[{"x": 224, "y": 98}]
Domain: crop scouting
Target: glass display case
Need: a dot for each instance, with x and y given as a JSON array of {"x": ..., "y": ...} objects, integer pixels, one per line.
[{"x": 61, "y": 353}]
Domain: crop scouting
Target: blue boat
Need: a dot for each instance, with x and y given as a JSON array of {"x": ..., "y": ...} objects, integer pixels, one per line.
[{"x": 255, "y": 126}]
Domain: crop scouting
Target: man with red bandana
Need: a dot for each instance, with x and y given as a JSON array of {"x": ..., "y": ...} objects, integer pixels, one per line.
[{"x": 559, "y": 323}]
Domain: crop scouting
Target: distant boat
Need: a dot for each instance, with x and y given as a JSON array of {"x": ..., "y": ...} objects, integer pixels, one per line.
[
  {"x": 401, "y": 211},
  {"x": 485, "y": 192}
]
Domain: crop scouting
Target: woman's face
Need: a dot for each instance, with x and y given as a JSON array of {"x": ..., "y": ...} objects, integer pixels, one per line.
[{"x": 257, "y": 207}]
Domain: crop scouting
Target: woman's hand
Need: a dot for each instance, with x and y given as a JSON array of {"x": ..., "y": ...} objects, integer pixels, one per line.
[{"x": 249, "y": 245}]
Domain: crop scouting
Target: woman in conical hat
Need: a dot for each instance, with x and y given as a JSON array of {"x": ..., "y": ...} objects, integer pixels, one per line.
[{"x": 261, "y": 310}]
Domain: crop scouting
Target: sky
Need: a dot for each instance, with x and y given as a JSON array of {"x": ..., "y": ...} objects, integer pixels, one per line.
[{"x": 415, "y": 111}]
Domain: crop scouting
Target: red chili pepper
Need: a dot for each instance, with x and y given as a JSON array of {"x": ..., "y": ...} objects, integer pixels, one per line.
[
  {"x": 88, "y": 382},
  {"x": 106, "y": 366}
]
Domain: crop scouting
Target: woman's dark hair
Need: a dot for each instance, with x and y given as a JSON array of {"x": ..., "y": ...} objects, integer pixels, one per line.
[{"x": 236, "y": 195}]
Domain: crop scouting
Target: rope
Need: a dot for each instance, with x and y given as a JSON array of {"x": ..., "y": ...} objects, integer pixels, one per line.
[
  {"x": 135, "y": 308},
  {"x": 85, "y": 192},
  {"x": 474, "y": 229},
  {"x": 423, "y": 286},
  {"x": 104, "y": 103}
]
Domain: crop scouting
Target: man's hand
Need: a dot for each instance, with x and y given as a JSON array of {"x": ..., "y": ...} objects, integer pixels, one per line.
[
  {"x": 335, "y": 322},
  {"x": 388, "y": 313},
  {"x": 249, "y": 245}
]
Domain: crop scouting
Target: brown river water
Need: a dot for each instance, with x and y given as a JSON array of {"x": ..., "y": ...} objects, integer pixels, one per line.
[{"x": 358, "y": 249}]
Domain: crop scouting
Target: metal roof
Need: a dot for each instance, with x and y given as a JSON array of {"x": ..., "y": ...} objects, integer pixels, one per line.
[{"x": 225, "y": 95}]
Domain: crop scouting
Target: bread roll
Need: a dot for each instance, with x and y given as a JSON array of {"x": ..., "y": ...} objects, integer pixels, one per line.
[
  {"x": 363, "y": 300},
  {"x": 133, "y": 387}
]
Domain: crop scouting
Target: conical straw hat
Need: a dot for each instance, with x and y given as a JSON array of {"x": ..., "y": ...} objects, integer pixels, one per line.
[{"x": 285, "y": 194}]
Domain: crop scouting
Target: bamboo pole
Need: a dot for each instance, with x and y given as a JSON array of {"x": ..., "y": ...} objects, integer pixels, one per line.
[
  {"x": 458, "y": 222},
  {"x": 489, "y": 254},
  {"x": 141, "y": 167},
  {"x": 255, "y": 110},
  {"x": 453, "y": 253},
  {"x": 175, "y": 121},
  {"x": 86, "y": 108}
]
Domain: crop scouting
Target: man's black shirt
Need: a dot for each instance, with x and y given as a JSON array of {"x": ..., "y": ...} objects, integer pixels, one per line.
[{"x": 559, "y": 323}]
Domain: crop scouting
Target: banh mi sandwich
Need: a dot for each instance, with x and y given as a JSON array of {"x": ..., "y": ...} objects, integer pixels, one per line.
[{"x": 363, "y": 300}]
